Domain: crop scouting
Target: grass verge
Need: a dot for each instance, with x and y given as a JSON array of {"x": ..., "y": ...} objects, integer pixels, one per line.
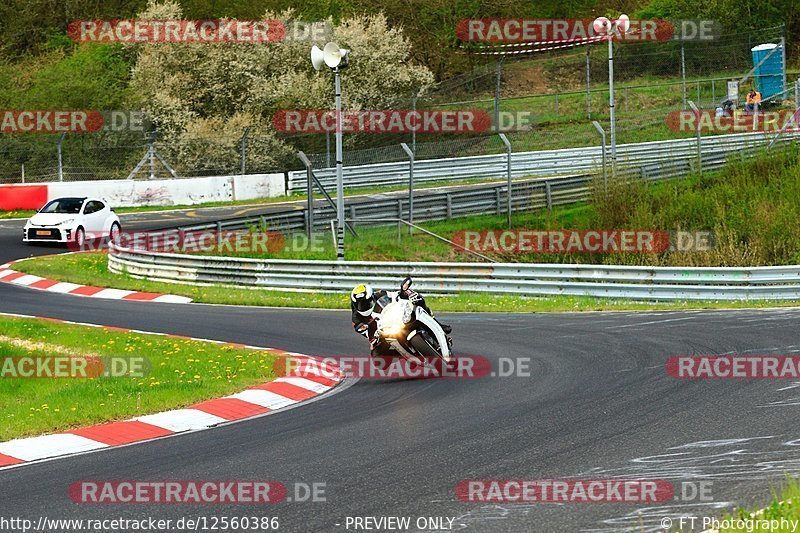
[
  {"x": 91, "y": 268},
  {"x": 179, "y": 372},
  {"x": 18, "y": 213},
  {"x": 785, "y": 506}
]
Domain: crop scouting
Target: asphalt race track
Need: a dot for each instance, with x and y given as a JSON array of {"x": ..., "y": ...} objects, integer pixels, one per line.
[{"x": 598, "y": 403}]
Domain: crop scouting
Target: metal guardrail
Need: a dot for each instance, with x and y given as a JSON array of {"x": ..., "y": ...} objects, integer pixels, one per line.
[
  {"x": 428, "y": 205},
  {"x": 526, "y": 195},
  {"x": 546, "y": 163},
  {"x": 645, "y": 283}
]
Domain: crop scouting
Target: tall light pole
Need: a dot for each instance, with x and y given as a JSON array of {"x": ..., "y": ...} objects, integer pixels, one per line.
[
  {"x": 335, "y": 58},
  {"x": 602, "y": 25}
]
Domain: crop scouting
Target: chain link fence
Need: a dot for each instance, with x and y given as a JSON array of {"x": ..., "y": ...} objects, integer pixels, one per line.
[
  {"x": 33, "y": 158},
  {"x": 564, "y": 91}
]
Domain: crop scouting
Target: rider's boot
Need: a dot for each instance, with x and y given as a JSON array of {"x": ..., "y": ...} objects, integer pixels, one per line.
[{"x": 445, "y": 327}]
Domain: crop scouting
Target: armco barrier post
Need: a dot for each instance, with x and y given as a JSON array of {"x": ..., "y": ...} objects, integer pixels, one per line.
[
  {"x": 683, "y": 73},
  {"x": 60, "y": 164},
  {"x": 699, "y": 99},
  {"x": 699, "y": 137},
  {"x": 244, "y": 149},
  {"x": 588, "y": 87},
  {"x": 497, "y": 92},
  {"x": 508, "y": 175},
  {"x": 414, "y": 96},
  {"x": 548, "y": 195},
  {"x": 151, "y": 158},
  {"x": 410, "y": 154},
  {"x": 602, "y": 133},
  {"x": 309, "y": 194}
]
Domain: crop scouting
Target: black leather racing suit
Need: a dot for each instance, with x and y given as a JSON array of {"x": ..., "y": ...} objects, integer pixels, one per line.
[{"x": 368, "y": 325}]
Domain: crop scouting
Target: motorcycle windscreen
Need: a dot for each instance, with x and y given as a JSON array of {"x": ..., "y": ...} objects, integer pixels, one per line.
[{"x": 382, "y": 302}]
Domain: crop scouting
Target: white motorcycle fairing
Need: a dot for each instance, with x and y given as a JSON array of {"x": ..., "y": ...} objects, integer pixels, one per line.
[{"x": 437, "y": 330}]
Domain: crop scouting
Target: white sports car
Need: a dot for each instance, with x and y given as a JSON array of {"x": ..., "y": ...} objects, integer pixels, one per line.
[{"x": 70, "y": 220}]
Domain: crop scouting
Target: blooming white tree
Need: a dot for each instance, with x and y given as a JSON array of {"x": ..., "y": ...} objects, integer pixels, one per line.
[{"x": 204, "y": 92}]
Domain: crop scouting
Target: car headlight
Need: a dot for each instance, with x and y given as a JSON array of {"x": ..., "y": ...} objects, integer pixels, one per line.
[{"x": 65, "y": 222}]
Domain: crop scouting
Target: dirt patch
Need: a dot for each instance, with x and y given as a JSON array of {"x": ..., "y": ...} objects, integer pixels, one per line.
[
  {"x": 38, "y": 346},
  {"x": 524, "y": 79}
]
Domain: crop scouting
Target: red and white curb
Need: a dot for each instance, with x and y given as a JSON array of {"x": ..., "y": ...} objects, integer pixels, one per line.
[
  {"x": 7, "y": 275},
  {"x": 282, "y": 393}
]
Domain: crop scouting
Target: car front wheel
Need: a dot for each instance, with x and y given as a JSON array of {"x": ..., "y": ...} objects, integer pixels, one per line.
[
  {"x": 113, "y": 235},
  {"x": 80, "y": 238}
]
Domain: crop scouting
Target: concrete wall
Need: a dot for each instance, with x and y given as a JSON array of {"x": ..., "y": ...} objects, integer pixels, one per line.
[
  {"x": 134, "y": 193},
  {"x": 252, "y": 186}
]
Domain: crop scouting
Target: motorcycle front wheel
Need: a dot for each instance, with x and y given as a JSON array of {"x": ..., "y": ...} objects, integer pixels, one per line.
[{"x": 425, "y": 346}]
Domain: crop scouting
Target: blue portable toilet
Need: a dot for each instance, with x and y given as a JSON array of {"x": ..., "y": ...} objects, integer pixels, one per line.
[{"x": 770, "y": 76}]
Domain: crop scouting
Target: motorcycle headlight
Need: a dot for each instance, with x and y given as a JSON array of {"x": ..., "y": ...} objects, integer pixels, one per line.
[
  {"x": 395, "y": 316},
  {"x": 392, "y": 319}
]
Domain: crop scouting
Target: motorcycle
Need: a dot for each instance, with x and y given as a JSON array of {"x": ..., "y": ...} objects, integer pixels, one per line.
[{"x": 408, "y": 329}]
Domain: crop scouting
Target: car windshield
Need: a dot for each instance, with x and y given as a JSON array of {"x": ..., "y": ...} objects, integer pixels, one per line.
[{"x": 69, "y": 206}]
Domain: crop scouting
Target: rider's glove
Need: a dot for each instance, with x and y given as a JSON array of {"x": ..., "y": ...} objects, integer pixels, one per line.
[
  {"x": 362, "y": 329},
  {"x": 414, "y": 297}
]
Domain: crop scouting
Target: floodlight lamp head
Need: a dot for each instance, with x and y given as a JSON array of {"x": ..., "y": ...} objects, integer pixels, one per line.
[
  {"x": 623, "y": 23},
  {"x": 332, "y": 55},
  {"x": 601, "y": 25},
  {"x": 317, "y": 58}
]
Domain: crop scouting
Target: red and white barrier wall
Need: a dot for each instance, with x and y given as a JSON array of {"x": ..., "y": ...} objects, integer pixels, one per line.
[{"x": 132, "y": 193}]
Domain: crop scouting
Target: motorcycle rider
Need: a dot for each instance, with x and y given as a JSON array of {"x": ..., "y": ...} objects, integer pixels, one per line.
[{"x": 365, "y": 311}]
